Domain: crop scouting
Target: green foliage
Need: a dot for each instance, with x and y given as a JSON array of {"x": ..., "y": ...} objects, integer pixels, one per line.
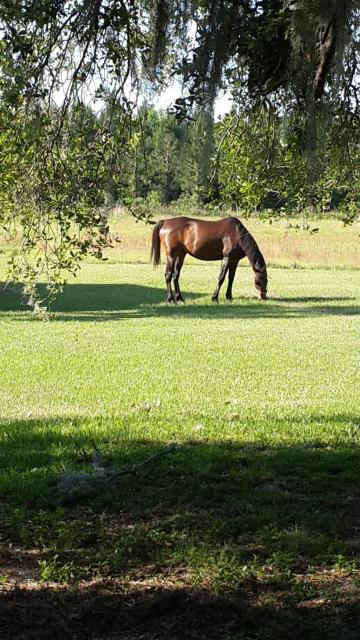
[
  {"x": 55, "y": 155},
  {"x": 256, "y": 157},
  {"x": 51, "y": 194},
  {"x": 54, "y": 571},
  {"x": 261, "y": 153}
]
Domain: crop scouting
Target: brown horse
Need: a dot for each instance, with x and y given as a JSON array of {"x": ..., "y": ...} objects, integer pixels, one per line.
[{"x": 227, "y": 240}]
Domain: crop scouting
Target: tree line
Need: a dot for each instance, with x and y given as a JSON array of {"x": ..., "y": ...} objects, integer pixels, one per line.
[{"x": 251, "y": 160}]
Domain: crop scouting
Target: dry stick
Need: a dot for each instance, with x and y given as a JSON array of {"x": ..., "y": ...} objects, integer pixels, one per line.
[
  {"x": 77, "y": 493},
  {"x": 132, "y": 470},
  {"x": 6, "y": 287}
]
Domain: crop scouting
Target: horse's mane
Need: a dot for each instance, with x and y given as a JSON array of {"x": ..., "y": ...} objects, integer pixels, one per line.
[{"x": 250, "y": 248}]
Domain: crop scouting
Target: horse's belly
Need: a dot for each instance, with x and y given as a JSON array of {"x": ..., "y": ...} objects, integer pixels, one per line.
[{"x": 209, "y": 251}]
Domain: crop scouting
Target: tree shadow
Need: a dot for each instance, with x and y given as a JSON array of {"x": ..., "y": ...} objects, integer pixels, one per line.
[
  {"x": 109, "y": 297},
  {"x": 93, "y": 297},
  {"x": 249, "y": 308},
  {"x": 313, "y": 299},
  {"x": 212, "y": 477},
  {"x": 103, "y": 612},
  {"x": 213, "y": 507},
  {"x": 103, "y": 302}
]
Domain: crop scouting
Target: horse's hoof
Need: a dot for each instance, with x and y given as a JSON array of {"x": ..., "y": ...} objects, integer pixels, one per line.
[
  {"x": 229, "y": 299},
  {"x": 170, "y": 300},
  {"x": 214, "y": 300}
]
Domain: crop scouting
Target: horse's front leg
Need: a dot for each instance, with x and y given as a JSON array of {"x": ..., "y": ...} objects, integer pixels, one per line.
[
  {"x": 223, "y": 272},
  {"x": 168, "y": 277},
  {"x": 232, "y": 270}
]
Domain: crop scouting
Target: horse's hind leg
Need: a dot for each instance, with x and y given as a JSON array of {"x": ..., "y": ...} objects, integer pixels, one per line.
[
  {"x": 223, "y": 272},
  {"x": 177, "y": 269},
  {"x": 169, "y": 271},
  {"x": 232, "y": 270}
]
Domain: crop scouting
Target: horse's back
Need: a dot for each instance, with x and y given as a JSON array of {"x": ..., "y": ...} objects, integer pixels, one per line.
[
  {"x": 203, "y": 239},
  {"x": 210, "y": 227}
]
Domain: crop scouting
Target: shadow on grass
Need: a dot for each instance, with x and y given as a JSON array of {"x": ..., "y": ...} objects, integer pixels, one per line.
[
  {"x": 313, "y": 299},
  {"x": 272, "y": 530},
  {"x": 94, "y": 297},
  {"x": 106, "y": 613},
  {"x": 102, "y": 302}
]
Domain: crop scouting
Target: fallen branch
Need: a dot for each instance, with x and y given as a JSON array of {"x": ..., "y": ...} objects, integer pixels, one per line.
[
  {"x": 5, "y": 286},
  {"x": 75, "y": 486}
]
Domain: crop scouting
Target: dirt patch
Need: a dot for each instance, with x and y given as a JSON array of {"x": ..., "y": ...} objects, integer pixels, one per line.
[{"x": 104, "y": 612}]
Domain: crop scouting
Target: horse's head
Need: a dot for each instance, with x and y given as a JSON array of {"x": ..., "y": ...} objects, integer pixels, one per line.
[{"x": 261, "y": 282}]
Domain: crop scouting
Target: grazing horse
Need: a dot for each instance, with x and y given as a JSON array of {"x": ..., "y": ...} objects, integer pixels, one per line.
[{"x": 227, "y": 240}]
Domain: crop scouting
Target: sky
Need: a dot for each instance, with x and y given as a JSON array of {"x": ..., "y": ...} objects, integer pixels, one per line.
[{"x": 223, "y": 102}]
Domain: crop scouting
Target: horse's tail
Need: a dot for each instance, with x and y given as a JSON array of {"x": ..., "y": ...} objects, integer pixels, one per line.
[{"x": 155, "y": 244}]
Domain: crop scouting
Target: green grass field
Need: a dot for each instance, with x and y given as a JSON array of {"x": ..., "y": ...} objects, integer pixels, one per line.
[{"x": 250, "y": 527}]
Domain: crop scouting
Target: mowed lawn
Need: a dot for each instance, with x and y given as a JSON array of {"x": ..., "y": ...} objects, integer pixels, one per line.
[{"x": 248, "y": 528}]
